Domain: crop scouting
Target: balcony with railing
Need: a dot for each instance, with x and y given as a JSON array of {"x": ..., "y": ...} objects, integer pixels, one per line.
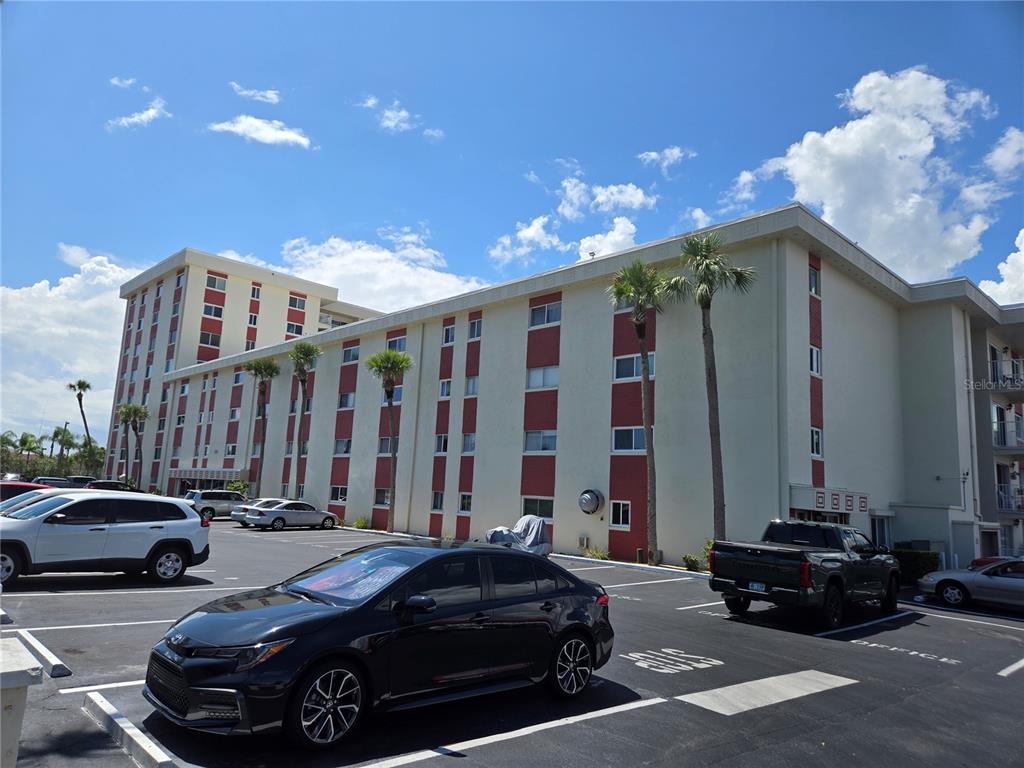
[
  {"x": 1009, "y": 498},
  {"x": 1008, "y": 436},
  {"x": 1006, "y": 376}
]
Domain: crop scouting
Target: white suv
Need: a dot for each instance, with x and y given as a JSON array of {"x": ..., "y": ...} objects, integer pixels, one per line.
[{"x": 103, "y": 531}]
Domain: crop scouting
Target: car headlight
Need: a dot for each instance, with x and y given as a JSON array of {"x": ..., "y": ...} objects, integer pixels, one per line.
[
  {"x": 928, "y": 577},
  {"x": 248, "y": 656}
]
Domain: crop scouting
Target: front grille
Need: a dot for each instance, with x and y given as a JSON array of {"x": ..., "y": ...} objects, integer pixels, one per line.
[{"x": 167, "y": 683}]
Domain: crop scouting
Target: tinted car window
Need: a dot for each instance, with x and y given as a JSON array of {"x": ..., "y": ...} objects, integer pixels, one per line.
[
  {"x": 790, "y": 533},
  {"x": 131, "y": 511},
  {"x": 513, "y": 577},
  {"x": 546, "y": 581},
  {"x": 41, "y": 507},
  {"x": 352, "y": 578},
  {"x": 860, "y": 542},
  {"x": 87, "y": 512},
  {"x": 449, "y": 582},
  {"x": 19, "y": 499}
]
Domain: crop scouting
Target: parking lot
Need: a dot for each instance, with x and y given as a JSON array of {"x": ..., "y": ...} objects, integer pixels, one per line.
[{"x": 688, "y": 684}]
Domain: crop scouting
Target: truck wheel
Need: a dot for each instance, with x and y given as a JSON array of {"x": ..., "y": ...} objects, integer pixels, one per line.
[
  {"x": 891, "y": 595},
  {"x": 832, "y": 608},
  {"x": 737, "y": 605}
]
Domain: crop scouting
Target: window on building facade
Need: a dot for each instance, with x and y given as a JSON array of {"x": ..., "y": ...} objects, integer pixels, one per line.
[
  {"x": 179, "y": 280},
  {"x": 339, "y": 494},
  {"x": 397, "y": 344},
  {"x": 288, "y": 448},
  {"x": 628, "y": 367},
  {"x": 175, "y": 308},
  {"x": 304, "y": 448},
  {"x": 217, "y": 283},
  {"x": 628, "y": 439},
  {"x": 149, "y": 371},
  {"x": 250, "y": 345},
  {"x": 539, "y": 507},
  {"x": 233, "y": 414},
  {"x": 294, "y": 328},
  {"x": 253, "y": 318},
  {"x": 296, "y": 302},
  {"x": 230, "y": 449},
  {"x": 145, "y": 398},
  {"x": 159, "y": 290},
  {"x": 384, "y": 446},
  {"x": 161, "y": 424},
  {"x": 172, "y": 336},
  {"x": 542, "y": 378},
  {"x": 292, "y": 405},
  {"x": 381, "y": 497},
  {"x": 814, "y": 281},
  {"x": 540, "y": 440},
  {"x": 284, "y": 490},
  {"x": 448, "y": 335},
  {"x": 468, "y": 442},
  {"x": 239, "y": 377},
  {"x": 184, "y": 387},
  {"x": 397, "y": 397},
  {"x": 157, "y": 452},
  {"x": 546, "y": 314},
  {"x": 619, "y": 514},
  {"x": 815, "y": 361},
  {"x": 475, "y": 328},
  {"x": 465, "y": 503},
  {"x": 207, "y": 339},
  {"x": 168, "y": 364},
  {"x": 816, "y": 448},
  {"x": 347, "y": 400},
  {"x": 180, "y": 421},
  {"x": 206, "y": 450},
  {"x": 445, "y": 389},
  {"x": 257, "y": 449},
  {"x": 152, "y": 344},
  {"x": 343, "y": 446},
  {"x": 472, "y": 386},
  {"x": 624, "y": 304},
  {"x": 199, "y": 418},
  {"x": 441, "y": 443},
  {"x": 437, "y": 501},
  {"x": 255, "y": 292},
  {"x": 175, "y": 451},
  {"x": 212, "y": 310},
  {"x": 350, "y": 355}
]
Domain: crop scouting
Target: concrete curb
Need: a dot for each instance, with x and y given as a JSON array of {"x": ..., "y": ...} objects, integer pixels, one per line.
[
  {"x": 396, "y": 534},
  {"x": 138, "y": 746},
  {"x": 5, "y": 617},
  {"x": 54, "y": 667},
  {"x": 637, "y": 566}
]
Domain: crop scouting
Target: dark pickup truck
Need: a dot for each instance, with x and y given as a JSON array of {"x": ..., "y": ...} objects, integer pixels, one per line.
[{"x": 811, "y": 565}]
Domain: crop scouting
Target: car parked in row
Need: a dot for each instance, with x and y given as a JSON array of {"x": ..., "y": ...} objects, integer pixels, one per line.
[
  {"x": 290, "y": 514},
  {"x": 87, "y": 530},
  {"x": 388, "y": 626},
  {"x": 1000, "y": 582},
  {"x": 239, "y": 512},
  {"x": 9, "y": 490},
  {"x": 211, "y": 504},
  {"x": 113, "y": 485}
]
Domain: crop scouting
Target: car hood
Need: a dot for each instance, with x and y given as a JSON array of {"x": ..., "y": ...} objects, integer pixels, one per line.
[
  {"x": 952, "y": 573},
  {"x": 256, "y": 616}
]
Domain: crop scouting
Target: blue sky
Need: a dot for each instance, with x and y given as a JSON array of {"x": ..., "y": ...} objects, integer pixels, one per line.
[{"x": 502, "y": 137}]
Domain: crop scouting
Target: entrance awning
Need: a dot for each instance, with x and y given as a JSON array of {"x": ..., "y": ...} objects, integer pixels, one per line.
[{"x": 226, "y": 475}]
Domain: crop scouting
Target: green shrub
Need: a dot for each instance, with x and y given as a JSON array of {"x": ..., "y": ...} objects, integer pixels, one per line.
[
  {"x": 361, "y": 523},
  {"x": 238, "y": 486},
  {"x": 595, "y": 553},
  {"x": 693, "y": 563},
  {"x": 706, "y": 549},
  {"x": 915, "y": 563}
]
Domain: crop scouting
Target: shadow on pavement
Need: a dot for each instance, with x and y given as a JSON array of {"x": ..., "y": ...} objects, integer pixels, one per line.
[
  {"x": 69, "y": 582},
  {"x": 383, "y": 735}
]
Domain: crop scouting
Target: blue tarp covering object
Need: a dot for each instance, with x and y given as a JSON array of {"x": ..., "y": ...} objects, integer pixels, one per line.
[{"x": 529, "y": 535}]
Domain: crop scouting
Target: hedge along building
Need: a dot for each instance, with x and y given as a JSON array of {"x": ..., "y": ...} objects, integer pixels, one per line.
[{"x": 844, "y": 396}]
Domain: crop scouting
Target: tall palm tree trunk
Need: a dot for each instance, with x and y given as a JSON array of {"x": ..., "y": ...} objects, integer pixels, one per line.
[
  {"x": 714, "y": 424},
  {"x": 293, "y": 479},
  {"x": 394, "y": 461},
  {"x": 127, "y": 452},
  {"x": 648, "y": 417},
  {"x": 85, "y": 423},
  {"x": 260, "y": 401},
  {"x": 138, "y": 463}
]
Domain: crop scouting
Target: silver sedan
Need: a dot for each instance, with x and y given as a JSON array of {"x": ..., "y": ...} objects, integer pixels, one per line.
[
  {"x": 238, "y": 513},
  {"x": 290, "y": 514},
  {"x": 1000, "y": 582}
]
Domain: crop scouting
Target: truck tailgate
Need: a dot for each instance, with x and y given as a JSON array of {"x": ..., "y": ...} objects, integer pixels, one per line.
[{"x": 768, "y": 564}]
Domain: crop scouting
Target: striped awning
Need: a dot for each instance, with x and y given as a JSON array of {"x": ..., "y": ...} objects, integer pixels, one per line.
[{"x": 190, "y": 473}]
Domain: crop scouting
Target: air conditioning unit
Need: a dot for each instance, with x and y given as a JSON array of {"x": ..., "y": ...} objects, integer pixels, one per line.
[{"x": 583, "y": 542}]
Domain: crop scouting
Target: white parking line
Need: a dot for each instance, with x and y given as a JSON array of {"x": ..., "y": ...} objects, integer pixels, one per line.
[
  {"x": 20, "y": 595},
  {"x": 945, "y": 609},
  {"x": 84, "y": 688},
  {"x": 1012, "y": 668},
  {"x": 94, "y": 626},
  {"x": 641, "y": 583},
  {"x": 590, "y": 568},
  {"x": 970, "y": 621},
  {"x": 462, "y": 746},
  {"x": 865, "y": 624},
  {"x": 700, "y": 605},
  {"x": 734, "y": 699}
]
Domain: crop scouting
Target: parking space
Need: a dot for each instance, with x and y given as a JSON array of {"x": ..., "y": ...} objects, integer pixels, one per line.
[{"x": 688, "y": 683}]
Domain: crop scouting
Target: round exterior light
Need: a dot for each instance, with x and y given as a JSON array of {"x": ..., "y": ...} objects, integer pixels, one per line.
[{"x": 591, "y": 501}]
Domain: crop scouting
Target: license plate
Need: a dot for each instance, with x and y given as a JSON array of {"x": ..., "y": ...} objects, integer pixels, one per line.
[{"x": 756, "y": 586}]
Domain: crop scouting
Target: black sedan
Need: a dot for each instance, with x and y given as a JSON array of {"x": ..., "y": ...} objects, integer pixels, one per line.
[{"x": 385, "y": 626}]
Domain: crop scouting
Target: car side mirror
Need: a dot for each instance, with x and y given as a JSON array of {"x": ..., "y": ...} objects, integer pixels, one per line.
[
  {"x": 55, "y": 518},
  {"x": 420, "y": 604},
  {"x": 883, "y": 550}
]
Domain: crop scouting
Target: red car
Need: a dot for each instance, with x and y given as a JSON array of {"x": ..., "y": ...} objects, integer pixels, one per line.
[
  {"x": 8, "y": 490},
  {"x": 981, "y": 562}
]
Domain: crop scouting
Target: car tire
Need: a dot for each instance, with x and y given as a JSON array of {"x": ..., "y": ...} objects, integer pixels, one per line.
[
  {"x": 571, "y": 667},
  {"x": 245, "y": 525},
  {"x": 953, "y": 593},
  {"x": 891, "y": 596},
  {"x": 11, "y": 566},
  {"x": 832, "y": 608},
  {"x": 331, "y": 697},
  {"x": 328, "y": 522},
  {"x": 167, "y": 565},
  {"x": 207, "y": 513},
  {"x": 277, "y": 524},
  {"x": 737, "y": 605}
]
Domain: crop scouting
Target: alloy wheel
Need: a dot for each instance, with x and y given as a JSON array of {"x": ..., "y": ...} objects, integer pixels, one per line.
[
  {"x": 6, "y": 567},
  {"x": 169, "y": 565},
  {"x": 278, "y": 524},
  {"x": 953, "y": 594},
  {"x": 327, "y": 523},
  {"x": 573, "y": 666},
  {"x": 331, "y": 706}
]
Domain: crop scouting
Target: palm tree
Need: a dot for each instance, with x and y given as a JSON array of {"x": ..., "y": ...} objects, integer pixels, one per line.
[
  {"x": 389, "y": 366},
  {"x": 29, "y": 445},
  {"x": 708, "y": 271},
  {"x": 644, "y": 288},
  {"x": 65, "y": 440},
  {"x": 263, "y": 370},
  {"x": 80, "y": 387},
  {"x": 8, "y": 442},
  {"x": 303, "y": 356},
  {"x": 138, "y": 416},
  {"x": 131, "y": 415}
]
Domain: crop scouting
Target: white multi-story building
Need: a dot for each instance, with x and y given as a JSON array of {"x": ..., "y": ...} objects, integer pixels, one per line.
[{"x": 846, "y": 394}]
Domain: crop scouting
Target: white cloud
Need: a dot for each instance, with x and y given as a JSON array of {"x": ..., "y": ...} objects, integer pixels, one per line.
[
  {"x": 1010, "y": 287},
  {"x": 53, "y": 333},
  {"x": 531, "y": 177},
  {"x": 698, "y": 216},
  {"x": 267, "y": 97},
  {"x": 1007, "y": 156},
  {"x": 618, "y": 238},
  {"x": 883, "y": 179},
  {"x": 122, "y": 82},
  {"x": 570, "y": 165},
  {"x": 154, "y": 111},
  {"x": 528, "y": 238},
  {"x": 433, "y": 134},
  {"x": 263, "y": 131},
  {"x": 619, "y": 196},
  {"x": 370, "y": 102},
  {"x": 396, "y": 118},
  {"x": 666, "y": 158},
  {"x": 575, "y": 196}
]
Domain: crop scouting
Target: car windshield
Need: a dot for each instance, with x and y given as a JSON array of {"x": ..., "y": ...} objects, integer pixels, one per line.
[
  {"x": 21, "y": 498},
  {"x": 351, "y": 578},
  {"x": 40, "y": 507}
]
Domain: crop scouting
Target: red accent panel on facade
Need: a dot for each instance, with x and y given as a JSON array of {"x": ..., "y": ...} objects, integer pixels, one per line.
[
  {"x": 339, "y": 470},
  {"x": 446, "y": 362},
  {"x": 476, "y": 314},
  {"x": 817, "y": 473},
  {"x": 229, "y": 463},
  {"x": 462, "y": 528},
  {"x": 538, "y": 476},
  {"x": 437, "y": 479},
  {"x": 382, "y": 474},
  {"x": 207, "y": 353},
  {"x": 296, "y": 315},
  {"x": 815, "y": 320},
  {"x": 469, "y": 414},
  {"x": 343, "y": 424},
  {"x": 350, "y": 343},
  {"x": 542, "y": 347},
  {"x": 627, "y": 408},
  {"x": 436, "y": 524},
  {"x": 236, "y": 397},
  {"x": 394, "y": 334},
  {"x": 540, "y": 410},
  {"x": 817, "y": 405},
  {"x": 624, "y": 341},
  {"x": 814, "y": 260},
  {"x": 547, "y": 298},
  {"x": 383, "y": 430},
  {"x": 211, "y": 325},
  {"x": 286, "y": 468},
  {"x": 173, "y": 325},
  {"x": 473, "y": 358},
  {"x": 250, "y": 334},
  {"x": 627, "y": 481},
  {"x": 443, "y": 416},
  {"x": 466, "y": 474},
  {"x": 232, "y": 432},
  {"x": 211, "y": 296},
  {"x": 297, "y": 293},
  {"x": 379, "y": 519},
  {"x": 254, "y": 306},
  {"x": 217, "y": 274},
  {"x": 347, "y": 378},
  {"x": 448, "y": 321}
]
